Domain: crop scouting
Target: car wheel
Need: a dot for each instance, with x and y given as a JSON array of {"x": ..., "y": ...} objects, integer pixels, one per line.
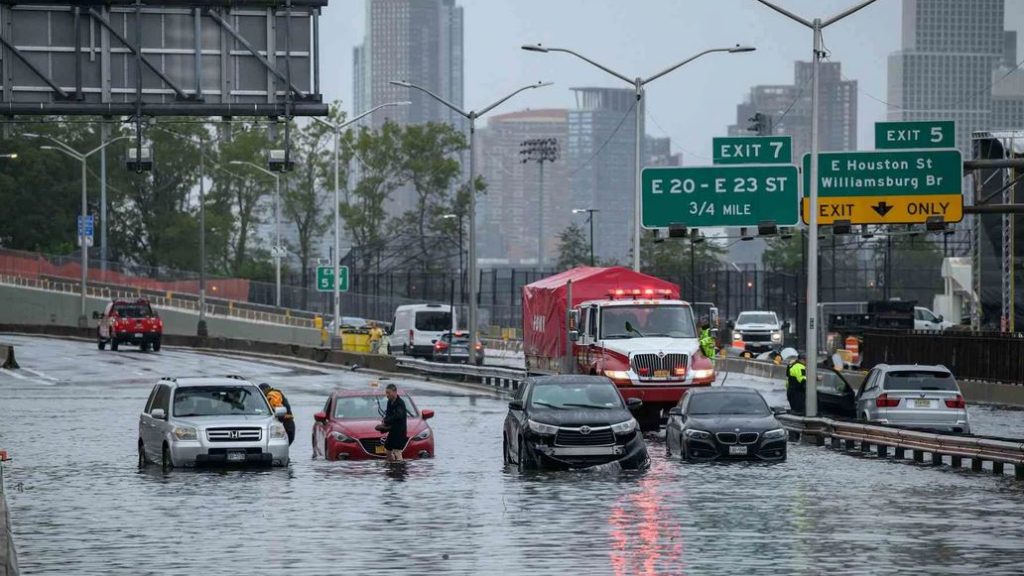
[
  {"x": 113, "y": 344},
  {"x": 142, "y": 455},
  {"x": 504, "y": 451},
  {"x": 165, "y": 459},
  {"x": 524, "y": 462},
  {"x": 156, "y": 345},
  {"x": 325, "y": 449}
]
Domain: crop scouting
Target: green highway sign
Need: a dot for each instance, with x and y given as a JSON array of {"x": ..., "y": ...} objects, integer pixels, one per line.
[
  {"x": 741, "y": 195},
  {"x": 886, "y": 187},
  {"x": 752, "y": 150},
  {"x": 325, "y": 280},
  {"x": 904, "y": 135}
]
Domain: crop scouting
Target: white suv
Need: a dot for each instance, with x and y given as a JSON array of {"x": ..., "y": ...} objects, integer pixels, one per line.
[
  {"x": 219, "y": 420},
  {"x": 759, "y": 331}
]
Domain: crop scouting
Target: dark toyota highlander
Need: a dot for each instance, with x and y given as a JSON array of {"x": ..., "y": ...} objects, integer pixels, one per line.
[
  {"x": 725, "y": 423},
  {"x": 572, "y": 422}
]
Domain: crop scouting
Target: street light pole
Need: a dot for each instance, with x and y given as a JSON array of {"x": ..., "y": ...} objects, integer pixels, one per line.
[
  {"x": 337, "y": 128},
  {"x": 471, "y": 115},
  {"x": 462, "y": 291},
  {"x": 590, "y": 221},
  {"x": 83, "y": 320},
  {"x": 811, "y": 344},
  {"x": 638, "y": 84},
  {"x": 277, "y": 224}
]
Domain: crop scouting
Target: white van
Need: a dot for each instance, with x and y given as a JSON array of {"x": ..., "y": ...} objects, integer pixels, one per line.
[{"x": 417, "y": 327}]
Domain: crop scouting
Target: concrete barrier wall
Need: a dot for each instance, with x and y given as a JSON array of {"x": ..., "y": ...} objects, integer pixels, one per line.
[{"x": 32, "y": 306}]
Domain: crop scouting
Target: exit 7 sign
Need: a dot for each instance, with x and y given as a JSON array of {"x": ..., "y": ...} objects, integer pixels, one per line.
[
  {"x": 752, "y": 150},
  {"x": 325, "y": 280}
]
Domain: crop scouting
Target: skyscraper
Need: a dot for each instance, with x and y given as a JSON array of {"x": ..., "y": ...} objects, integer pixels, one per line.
[
  {"x": 601, "y": 154},
  {"x": 953, "y": 65},
  {"x": 515, "y": 210},
  {"x": 789, "y": 106},
  {"x": 420, "y": 41}
]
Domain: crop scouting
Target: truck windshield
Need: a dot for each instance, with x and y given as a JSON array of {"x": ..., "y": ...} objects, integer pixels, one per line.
[
  {"x": 647, "y": 320},
  {"x": 756, "y": 318}
]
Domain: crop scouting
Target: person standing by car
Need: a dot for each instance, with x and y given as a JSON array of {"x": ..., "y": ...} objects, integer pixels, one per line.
[
  {"x": 707, "y": 341},
  {"x": 376, "y": 334},
  {"x": 277, "y": 398},
  {"x": 394, "y": 422},
  {"x": 796, "y": 384}
]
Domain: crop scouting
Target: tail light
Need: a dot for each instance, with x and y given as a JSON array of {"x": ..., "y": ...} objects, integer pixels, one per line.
[
  {"x": 478, "y": 347},
  {"x": 440, "y": 345},
  {"x": 958, "y": 402},
  {"x": 884, "y": 401}
]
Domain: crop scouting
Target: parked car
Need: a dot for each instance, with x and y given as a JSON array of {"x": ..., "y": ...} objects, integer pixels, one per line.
[
  {"x": 759, "y": 332},
  {"x": 572, "y": 422},
  {"x": 348, "y": 322},
  {"x": 925, "y": 319},
  {"x": 455, "y": 348},
  {"x": 344, "y": 430},
  {"x": 912, "y": 396},
  {"x": 725, "y": 423},
  {"x": 217, "y": 420},
  {"x": 129, "y": 322},
  {"x": 417, "y": 327}
]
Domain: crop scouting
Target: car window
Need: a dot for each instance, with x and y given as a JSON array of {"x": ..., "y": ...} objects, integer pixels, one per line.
[
  {"x": 726, "y": 403},
  {"x": 152, "y": 396},
  {"x": 220, "y": 401},
  {"x": 431, "y": 321},
  {"x": 370, "y": 407},
  {"x": 521, "y": 392},
  {"x": 163, "y": 397},
  {"x": 134, "y": 311},
  {"x": 919, "y": 380},
  {"x": 570, "y": 396},
  {"x": 756, "y": 318}
]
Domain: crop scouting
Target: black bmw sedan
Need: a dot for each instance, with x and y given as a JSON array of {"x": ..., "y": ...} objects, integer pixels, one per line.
[
  {"x": 572, "y": 422},
  {"x": 725, "y": 423}
]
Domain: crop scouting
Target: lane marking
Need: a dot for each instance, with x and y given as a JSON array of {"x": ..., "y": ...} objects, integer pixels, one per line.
[
  {"x": 13, "y": 374},
  {"x": 41, "y": 375}
]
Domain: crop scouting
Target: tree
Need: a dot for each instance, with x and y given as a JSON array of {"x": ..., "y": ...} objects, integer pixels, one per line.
[
  {"x": 573, "y": 248},
  {"x": 784, "y": 254},
  {"x": 671, "y": 256}
]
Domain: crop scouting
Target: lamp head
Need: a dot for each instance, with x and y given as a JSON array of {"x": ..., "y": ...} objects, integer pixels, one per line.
[
  {"x": 400, "y": 83},
  {"x": 535, "y": 48},
  {"x": 739, "y": 48}
]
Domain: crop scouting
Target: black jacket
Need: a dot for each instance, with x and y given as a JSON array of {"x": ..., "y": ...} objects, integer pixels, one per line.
[{"x": 395, "y": 419}]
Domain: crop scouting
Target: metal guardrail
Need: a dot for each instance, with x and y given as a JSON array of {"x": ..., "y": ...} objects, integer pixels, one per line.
[
  {"x": 502, "y": 378},
  {"x": 869, "y": 438},
  {"x": 8, "y": 554},
  {"x": 228, "y": 309}
]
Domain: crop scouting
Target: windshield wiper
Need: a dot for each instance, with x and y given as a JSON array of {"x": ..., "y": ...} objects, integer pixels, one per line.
[
  {"x": 606, "y": 336},
  {"x": 588, "y": 406},
  {"x": 539, "y": 403}
]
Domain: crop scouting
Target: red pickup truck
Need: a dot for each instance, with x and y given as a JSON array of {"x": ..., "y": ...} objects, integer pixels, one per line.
[{"x": 129, "y": 322}]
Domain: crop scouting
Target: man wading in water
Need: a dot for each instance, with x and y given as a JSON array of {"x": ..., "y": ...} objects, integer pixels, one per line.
[{"x": 394, "y": 423}]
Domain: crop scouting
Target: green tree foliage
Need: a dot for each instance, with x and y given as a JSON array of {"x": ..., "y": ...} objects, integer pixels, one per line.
[
  {"x": 784, "y": 254},
  {"x": 378, "y": 153},
  {"x": 573, "y": 248},
  {"x": 671, "y": 256}
]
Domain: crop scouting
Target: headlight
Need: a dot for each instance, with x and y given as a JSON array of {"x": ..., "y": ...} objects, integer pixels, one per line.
[
  {"x": 702, "y": 374},
  {"x": 185, "y": 433},
  {"x": 617, "y": 374},
  {"x": 277, "y": 431},
  {"x": 775, "y": 434},
  {"x": 540, "y": 428},
  {"x": 698, "y": 434},
  {"x": 736, "y": 334},
  {"x": 777, "y": 336},
  {"x": 342, "y": 437},
  {"x": 422, "y": 435},
  {"x": 626, "y": 427}
]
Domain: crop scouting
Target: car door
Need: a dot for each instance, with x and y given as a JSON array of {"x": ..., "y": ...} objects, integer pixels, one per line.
[
  {"x": 515, "y": 420},
  {"x": 320, "y": 431},
  {"x": 146, "y": 421},
  {"x": 674, "y": 427},
  {"x": 104, "y": 323},
  {"x": 160, "y": 428},
  {"x": 867, "y": 394}
]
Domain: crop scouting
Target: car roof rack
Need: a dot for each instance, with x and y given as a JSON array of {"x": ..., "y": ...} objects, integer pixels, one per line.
[
  {"x": 234, "y": 377},
  {"x": 168, "y": 379}
]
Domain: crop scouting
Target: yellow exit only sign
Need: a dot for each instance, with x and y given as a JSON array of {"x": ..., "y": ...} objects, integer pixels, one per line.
[{"x": 890, "y": 209}]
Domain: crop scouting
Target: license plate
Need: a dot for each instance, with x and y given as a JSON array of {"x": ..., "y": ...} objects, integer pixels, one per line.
[
  {"x": 236, "y": 456},
  {"x": 661, "y": 373},
  {"x": 379, "y": 450},
  {"x": 138, "y": 334},
  {"x": 922, "y": 403},
  {"x": 737, "y": 450}
]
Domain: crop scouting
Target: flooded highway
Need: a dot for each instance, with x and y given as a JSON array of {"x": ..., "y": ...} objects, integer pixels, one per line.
[{"x": 80, "y": 505}]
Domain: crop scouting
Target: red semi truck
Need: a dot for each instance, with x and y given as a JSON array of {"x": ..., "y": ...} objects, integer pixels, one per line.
[{"x": 630, "y": 327}]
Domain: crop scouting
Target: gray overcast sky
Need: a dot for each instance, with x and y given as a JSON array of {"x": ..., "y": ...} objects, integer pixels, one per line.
[{"x": 642, "y": 37}]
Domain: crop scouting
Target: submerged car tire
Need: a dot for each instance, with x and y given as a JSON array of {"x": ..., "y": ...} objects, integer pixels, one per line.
[
  {"x": 524, "y": 461},
  {"x": 142, "y": 455},
  {"x": 166, "y": 463}
]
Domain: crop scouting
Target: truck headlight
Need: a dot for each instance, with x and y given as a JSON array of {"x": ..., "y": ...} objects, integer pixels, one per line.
[
  {"x": 777, "y": 336},
  {"x": 185, "y": 433},
  {"x": 737, "y": 334},
  {"x": 277, "y": 431},
  {"x": 702, "y": 374},
  {"x": 627, "y": 427},
  {"x": 775, "y": 434},
  {"x": 617, "y": 374},
  {"x": 541, "y": 428},
  {"x": 697, "y": 434}
]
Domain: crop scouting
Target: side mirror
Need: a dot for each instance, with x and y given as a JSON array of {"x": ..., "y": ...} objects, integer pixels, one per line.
[
  {"x": 159, "y": 414},
  {"x": 320, "y": 417},
  {"x": 427, "y": 414},
  {"x": 675, "y": 411},
  {"x": 574, "y": 336},
  {"x": 280, "y": 411},
  {"x": 574, "y": 318},
  {"x": 515, "y": 405},
  {"x": 776, "y": 410},
  {"x": 634, "y": 403}
]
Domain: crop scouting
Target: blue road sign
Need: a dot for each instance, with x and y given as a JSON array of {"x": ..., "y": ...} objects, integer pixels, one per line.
[{"x": 87, "y": 228}]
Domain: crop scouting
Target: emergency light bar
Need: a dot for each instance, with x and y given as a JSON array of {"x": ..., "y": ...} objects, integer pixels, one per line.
[{"x": 647, "y": 292}]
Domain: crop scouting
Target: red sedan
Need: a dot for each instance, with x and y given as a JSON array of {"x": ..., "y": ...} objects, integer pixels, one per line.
[{"x": 345, "y": 428}]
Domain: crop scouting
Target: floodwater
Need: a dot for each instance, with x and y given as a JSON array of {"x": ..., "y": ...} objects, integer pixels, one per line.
[{"x": 80, "y": 505}]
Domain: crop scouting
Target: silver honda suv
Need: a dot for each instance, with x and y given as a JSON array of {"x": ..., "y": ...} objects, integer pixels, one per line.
[{"x": 218, "y": 420}]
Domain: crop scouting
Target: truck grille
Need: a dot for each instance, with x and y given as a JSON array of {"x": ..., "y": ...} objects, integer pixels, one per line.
[
  {"x": 370, "y": 444},
  {"x": 757, "y": 336},
  {"x": 573, "y": 437},
  {"x": 234, "y": 434},
  {"x": 647, "y": 364}
]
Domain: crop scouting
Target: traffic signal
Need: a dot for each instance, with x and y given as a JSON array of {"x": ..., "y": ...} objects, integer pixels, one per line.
[{"x": 762, "y": 124}]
